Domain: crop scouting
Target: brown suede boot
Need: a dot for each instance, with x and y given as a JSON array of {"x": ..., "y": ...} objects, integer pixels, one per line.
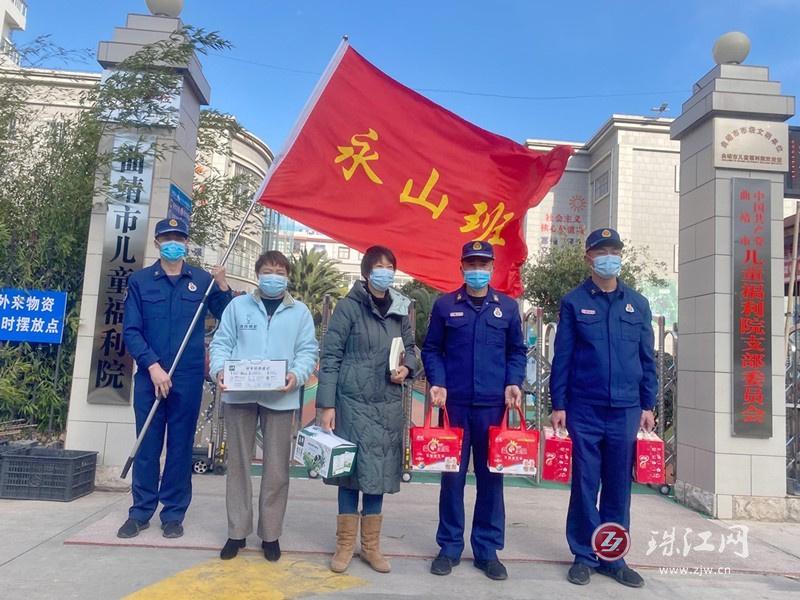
[
  {"x": 370, "y": 543},
  {"x": 346, "y": 529}
]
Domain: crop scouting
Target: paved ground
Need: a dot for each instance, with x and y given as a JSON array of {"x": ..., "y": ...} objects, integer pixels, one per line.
[{"x": 54, "y": 550}]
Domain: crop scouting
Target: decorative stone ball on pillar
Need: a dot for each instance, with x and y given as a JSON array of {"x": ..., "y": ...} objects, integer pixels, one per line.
[
  {"x": 731, "y": 48},
  {"x": 165, "y": 8}
]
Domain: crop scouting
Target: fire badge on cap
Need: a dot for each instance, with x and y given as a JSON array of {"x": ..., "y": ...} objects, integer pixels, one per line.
[
  {"x": 477, "y": 246},
  {"x": 173, "y": 223},
  {"x": 606, "y": 233}
]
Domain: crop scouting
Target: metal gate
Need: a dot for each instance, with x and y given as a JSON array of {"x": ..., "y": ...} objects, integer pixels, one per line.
[{"x": 792, "y": 394}]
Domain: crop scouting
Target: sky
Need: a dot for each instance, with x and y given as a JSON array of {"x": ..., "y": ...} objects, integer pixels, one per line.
[{"x": 520, "y": 68}]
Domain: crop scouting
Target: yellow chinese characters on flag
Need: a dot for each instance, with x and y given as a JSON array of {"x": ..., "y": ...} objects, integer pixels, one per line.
[{"x": 373, "y": 162}]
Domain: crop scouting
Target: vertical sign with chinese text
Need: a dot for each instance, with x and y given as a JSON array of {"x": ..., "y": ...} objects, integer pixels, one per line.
[
  {"x": 123, "y": 253},
  {"x": 792, "y": 186},
  {"x": 752, "y": 329},
  {"x": 180, "y": 205}
]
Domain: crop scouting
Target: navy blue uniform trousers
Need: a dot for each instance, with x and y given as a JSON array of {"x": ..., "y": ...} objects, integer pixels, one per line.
[
  {"x": 489, "y": 517},
  {"x": 603, "y": 447},
  {"x": 175, "y": 419}
]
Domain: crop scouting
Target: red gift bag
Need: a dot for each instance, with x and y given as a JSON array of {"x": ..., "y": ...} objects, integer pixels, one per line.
[
  {"x": 649, "y": 467},
  {"x": 436, "y": 449},
  {"x": 557, "y": 462},
  {"x": 513, "y": 451}
]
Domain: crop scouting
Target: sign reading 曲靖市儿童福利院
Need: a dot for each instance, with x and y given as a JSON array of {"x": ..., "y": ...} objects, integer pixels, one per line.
[
  {"x": 125, "y": 241},
  {"x": 32, "y": 315}
]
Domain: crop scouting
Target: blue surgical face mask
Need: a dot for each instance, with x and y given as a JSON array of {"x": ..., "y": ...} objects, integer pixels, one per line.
[
  {"x": 172, "y": 251},
  {"x": 272, "y": 285},
  {"x": 477, "y": 279},
  {"x": 381, "y": 278},
  {"x": 607, "y": 266}
]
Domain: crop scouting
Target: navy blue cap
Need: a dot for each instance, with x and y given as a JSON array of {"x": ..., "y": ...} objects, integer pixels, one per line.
[
  {"x": 477, "y": 248},
  {"x": 172, "y": 225},
  {"x": 604, "y": 237}
]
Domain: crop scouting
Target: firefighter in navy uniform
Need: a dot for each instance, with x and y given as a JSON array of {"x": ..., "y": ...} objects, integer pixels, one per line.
[
  {"x": 603, "y": 389},
  {"x": 474, "y": 357},
  {"x": 160, "y": 303}
]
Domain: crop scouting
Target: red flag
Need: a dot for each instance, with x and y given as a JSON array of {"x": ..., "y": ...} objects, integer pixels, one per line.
[{"x": 373, "y": 162}]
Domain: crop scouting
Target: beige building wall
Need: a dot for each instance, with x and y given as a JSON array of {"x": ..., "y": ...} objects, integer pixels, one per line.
[{"x": 647, "y": 176}]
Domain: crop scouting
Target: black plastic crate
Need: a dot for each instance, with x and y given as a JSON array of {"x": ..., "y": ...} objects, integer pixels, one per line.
[{"x": 46, "y": 473}]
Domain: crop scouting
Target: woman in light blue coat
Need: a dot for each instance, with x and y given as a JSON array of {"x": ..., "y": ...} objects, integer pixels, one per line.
[{"x": 267, "y": 324}]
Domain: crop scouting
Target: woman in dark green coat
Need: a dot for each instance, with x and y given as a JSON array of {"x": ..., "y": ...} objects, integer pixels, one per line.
[{"x": 361, "y": 400}]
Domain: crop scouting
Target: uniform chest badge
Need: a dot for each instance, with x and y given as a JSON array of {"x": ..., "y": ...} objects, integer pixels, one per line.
[
  {"x": 193, "y": 287},
  {"x": 629, "y": 308},
  {"x": 457, "y": 314},
  {"x": 498, "y": 313},
  {"x": 588, "y": 311}
]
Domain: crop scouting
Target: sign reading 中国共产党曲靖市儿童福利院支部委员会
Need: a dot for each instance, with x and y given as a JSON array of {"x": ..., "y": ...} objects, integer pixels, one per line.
[
  {"x": 752, "y": 297},
  {"x": 32, "y": 315}
]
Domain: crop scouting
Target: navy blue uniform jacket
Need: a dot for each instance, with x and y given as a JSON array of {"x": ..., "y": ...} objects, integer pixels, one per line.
[
  {"x": 473, "y": 353},
  {"x": 158, "y": 313},
  {"x": 604, "y": 349}
]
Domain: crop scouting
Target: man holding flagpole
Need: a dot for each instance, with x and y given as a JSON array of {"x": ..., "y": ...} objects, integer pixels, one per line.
[
  {"x": 474, "y": 357},
  {"x": 160, "y": 303}
]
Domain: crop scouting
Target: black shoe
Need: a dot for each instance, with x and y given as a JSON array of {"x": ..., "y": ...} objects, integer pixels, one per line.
[
  {"x": 131, "y": 528},
  {"x": 172, "y": 529},
  {"x": 579, "y": 574},
  {"x": 623, "y": 575},
  {"x": 231, "y": 548},
  {"x": 272, "y": 550},
  {"x": 494, "y": 569},
  {"x": 443, "y": 565}
]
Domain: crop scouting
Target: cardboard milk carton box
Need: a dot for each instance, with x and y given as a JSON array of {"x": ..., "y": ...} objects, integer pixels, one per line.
[{"x": 324, "y": 452}]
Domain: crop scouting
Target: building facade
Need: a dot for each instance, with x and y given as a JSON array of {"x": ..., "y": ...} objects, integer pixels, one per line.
[
  {"x": 625, "y": 177},
  {"x": 250, "y": 158}
]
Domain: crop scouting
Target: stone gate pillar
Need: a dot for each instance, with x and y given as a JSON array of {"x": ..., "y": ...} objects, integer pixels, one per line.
[{"x": 731, "y": 423}]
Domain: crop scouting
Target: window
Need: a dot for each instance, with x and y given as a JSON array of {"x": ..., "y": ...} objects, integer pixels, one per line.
[
  {"x": 343, "y": 252},
  {"x": 676, "y": 258},
  {"x": 249, "y": 180},
  {"x": 242, "y": 262},
  {"x": 319, "y": 248},
  {"x": 600, "y": 187}
]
